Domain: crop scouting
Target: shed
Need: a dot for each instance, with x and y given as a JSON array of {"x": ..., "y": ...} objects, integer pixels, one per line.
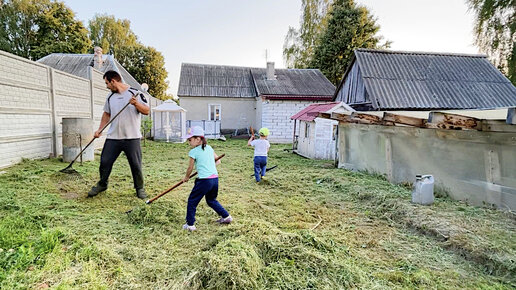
[
  {"x": 317, "y": 136},
  {"x": 169, "y": 122},
  {"x": 382, "y": 80}
]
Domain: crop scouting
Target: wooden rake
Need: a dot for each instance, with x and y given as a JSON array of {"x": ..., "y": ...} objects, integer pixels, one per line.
[{"x": 172, "y": 188}]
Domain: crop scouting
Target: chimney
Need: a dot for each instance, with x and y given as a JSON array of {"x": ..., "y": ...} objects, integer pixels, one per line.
[
  {"x": 97, "y": 58},
  {"x": 270, "y": 71}
]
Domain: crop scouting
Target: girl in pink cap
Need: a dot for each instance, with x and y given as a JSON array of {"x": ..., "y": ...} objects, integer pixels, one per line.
[{"x": 206, "y": 185}]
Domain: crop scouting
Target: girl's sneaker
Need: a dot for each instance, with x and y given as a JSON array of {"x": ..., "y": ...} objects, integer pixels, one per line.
[
  {"x": 226, "y": 220},
  {"x": 189, "y": 228}
]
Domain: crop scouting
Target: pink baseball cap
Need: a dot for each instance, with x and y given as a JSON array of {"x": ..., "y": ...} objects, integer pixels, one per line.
[{"x": 195, "y": 131}]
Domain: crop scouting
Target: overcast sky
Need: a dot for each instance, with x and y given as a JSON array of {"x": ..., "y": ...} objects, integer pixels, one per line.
[{"x": 237, "y": 32}]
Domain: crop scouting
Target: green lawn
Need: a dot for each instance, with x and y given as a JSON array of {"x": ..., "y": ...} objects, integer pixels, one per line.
[{"x": 308, "y": 225}]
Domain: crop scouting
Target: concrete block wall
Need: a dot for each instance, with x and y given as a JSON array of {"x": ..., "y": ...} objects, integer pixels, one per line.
[
  {"x": 26, "y": 116},
  {"x": 276, "y": 116},
  {"x": 33, "y": 100},
  {"x": 474, "y": 166}
]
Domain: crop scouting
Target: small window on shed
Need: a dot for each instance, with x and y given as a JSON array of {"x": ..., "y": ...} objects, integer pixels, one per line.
[{"x": 334, "y": 132}]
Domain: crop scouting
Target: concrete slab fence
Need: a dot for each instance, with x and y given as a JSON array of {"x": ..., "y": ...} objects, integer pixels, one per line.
[
  {"x": 474, "y": 166},
  {"x": 33, "y": 100}
]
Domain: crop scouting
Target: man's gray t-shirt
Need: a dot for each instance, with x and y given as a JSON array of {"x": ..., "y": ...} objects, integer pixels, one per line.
[{"x": 127, "y": 124}]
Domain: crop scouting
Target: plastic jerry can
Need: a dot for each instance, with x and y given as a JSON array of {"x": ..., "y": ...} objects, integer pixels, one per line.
[{"x": 423, "y": 192}]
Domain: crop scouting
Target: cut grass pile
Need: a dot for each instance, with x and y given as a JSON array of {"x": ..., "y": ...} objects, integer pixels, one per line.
[{"x": 308, "y": 225}]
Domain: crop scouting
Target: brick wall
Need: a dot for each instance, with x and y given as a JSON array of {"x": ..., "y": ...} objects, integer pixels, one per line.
[
  {"x": 33, "y": 100},
  {"x": 276, "y": 117}
]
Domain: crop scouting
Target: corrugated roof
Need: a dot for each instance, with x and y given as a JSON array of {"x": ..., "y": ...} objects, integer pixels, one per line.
[
  {"x": 77, "y": 64},
  {"x": 310, "y": 113},
  {"x": 204, "y": 80},
  {"x": 297, "y": 82},
  {"x": 200, "y": 80},
  {"x": 421, "y": 80}
]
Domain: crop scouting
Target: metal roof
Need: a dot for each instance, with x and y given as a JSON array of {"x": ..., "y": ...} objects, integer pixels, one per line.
[
  {"x": 296, "y": 82},
  {"x": 422, "y": 80},
  {"x": 311, "y": 112},
  {"x": 203, "y": 80},
  {"x": 77, "y": 64}
]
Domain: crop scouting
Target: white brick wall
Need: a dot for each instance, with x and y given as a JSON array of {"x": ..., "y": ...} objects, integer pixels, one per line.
[{"x": 276, "y": 116}]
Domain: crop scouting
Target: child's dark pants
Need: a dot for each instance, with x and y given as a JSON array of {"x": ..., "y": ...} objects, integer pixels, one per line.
[
  {"x": 204, "y": 187},
  {"x": 260, "y": 166}
]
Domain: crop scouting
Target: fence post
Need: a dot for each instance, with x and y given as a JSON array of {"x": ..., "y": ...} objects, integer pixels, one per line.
[
  {"x": 92, "y": 96},
  {"x": 54, "y": 119}
]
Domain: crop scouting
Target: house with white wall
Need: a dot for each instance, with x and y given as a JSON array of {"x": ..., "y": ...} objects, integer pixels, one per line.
[{"x": 240, "y": 97}]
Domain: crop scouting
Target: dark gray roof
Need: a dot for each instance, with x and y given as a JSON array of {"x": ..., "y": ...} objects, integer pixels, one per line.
[
  {"x": 77, "y": 64},
  {"x": 296, "y": 82},
  {"x": 419, "y": 80},
  {"x": 203, "y": 80}
]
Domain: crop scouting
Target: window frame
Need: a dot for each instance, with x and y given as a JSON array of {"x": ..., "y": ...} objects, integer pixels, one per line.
[{"x": 210, "y": 111}]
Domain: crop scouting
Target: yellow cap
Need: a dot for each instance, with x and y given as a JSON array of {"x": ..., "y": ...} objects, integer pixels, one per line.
[{"x": 264, "y": 131}]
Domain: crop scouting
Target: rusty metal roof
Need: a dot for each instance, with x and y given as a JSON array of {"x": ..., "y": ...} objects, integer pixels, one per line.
[{"x": 421, "y": 80}]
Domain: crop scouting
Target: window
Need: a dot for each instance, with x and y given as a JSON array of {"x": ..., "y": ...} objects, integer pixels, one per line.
[
  {"x": 214, "y": 112},
  {"x": 334, "y": 133}
]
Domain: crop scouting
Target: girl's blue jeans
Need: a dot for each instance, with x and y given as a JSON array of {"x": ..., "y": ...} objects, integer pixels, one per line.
[{"x": 208, "y": 188}]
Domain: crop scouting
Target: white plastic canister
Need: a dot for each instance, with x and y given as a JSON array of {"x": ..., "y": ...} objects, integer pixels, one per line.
[{"x": 423, "y": 192}]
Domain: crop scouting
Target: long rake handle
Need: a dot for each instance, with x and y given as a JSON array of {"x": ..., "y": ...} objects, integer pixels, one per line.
[
  {"x": 104, "y": 127},
  {"x": 177, "y": 184}
]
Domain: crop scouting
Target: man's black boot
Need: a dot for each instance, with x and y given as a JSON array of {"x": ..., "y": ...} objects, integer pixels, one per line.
[
  {"x": 140, "y": 193},
  {"x": 96, "y": 190}
]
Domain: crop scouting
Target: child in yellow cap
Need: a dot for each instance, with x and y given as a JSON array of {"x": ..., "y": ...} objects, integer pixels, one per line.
[{"x": 261, "y": 148}]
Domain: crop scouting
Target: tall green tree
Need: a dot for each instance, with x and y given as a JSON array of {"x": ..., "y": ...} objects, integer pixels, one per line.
[
  {"x": 111, "y": 34},
  {"x": 299, "y": 44},
  {"x": 146, "y": 65},
  {"x": 495, "y": 29},
  {"x": 349, "y": 27},
  {"x": 35, "y": 28}
]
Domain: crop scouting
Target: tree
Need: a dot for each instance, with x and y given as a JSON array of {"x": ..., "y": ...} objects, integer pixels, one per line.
[
  {"x": 146, "y": 65},
  {"x": 111, "y": 34},
  {"x": 299, "y": 43},
  {"x": 35, "y": 28},
  {"x": 349, "y": 27},
  {"x": 145, "y": 127},
  {"x": 495, "y": 28}
]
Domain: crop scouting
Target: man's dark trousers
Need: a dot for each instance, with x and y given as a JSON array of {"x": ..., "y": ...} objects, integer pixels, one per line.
[{"x": 111, "y": 151}]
